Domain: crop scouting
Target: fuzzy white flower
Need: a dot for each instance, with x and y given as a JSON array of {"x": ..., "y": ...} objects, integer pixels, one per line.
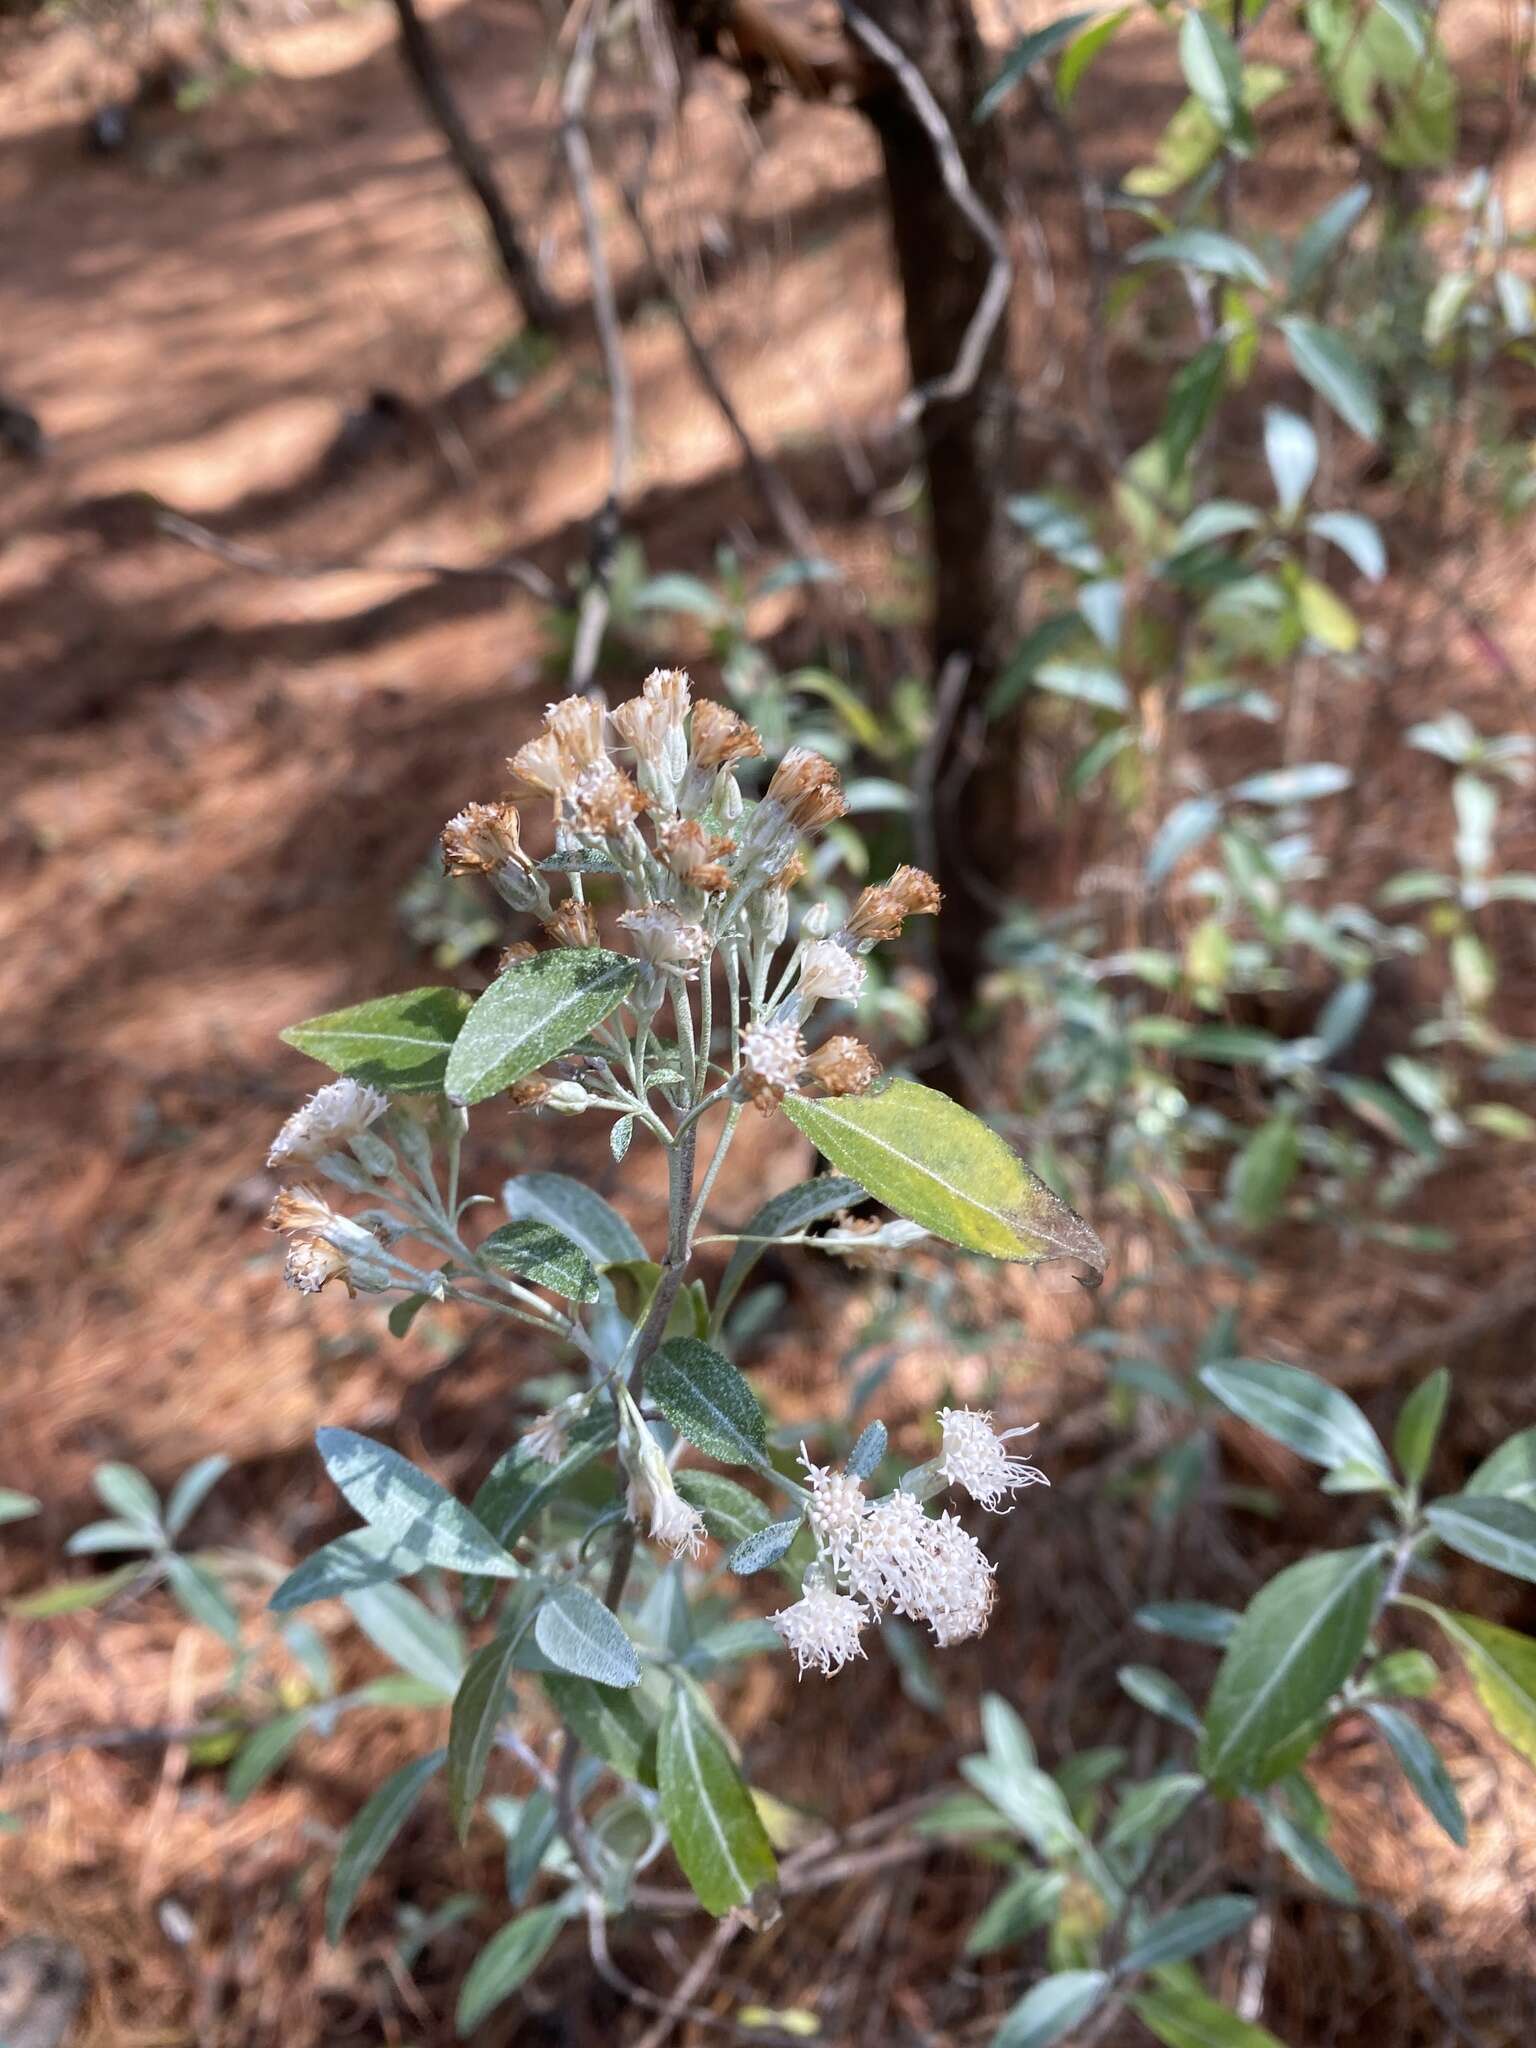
[
  {"x": 546, "y": 1436},
  {"x": 890, "y": 1557},
  {"x": 822, "y": 1627},
  {"x": 837, "y": 1508},
  {"x": 332, "y": 1117},
  {"x": 652, "y": 1492},
  {"x": 956, "y": 1589},
  {"x": 772, "y": 1061},
  {"x": 312, "y": 1264},
  {"x": 973, "y": 1457},
  {"x": 665, "y": 939},
  {"x": 829, "y": 974}
]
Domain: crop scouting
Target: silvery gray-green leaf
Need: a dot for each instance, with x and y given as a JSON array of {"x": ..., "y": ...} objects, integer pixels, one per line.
[
  {"x": 532, "y": 1013},
  {"x": 368, "y": 1839},
  {"x": 705, "y": 1398},
  {"x": 716, "y": 1833},
  {"x": 398, "y": 1043},
  {"x": 576, "y": 1211},
  {"x": 540, "y": 1253},
  {"x": 397, "y": 1498},
  {"x": 578, "y": 1634}
]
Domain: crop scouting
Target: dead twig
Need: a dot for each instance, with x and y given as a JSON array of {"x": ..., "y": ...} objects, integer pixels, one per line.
[
  {"x": 592, "y": 619},
  {"x": 504, "y": 569}
]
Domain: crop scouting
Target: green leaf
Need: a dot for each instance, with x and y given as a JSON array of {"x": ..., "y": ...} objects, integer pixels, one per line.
[
  {"x": 1150, "y": 1809},
  {"x": 366, "y": 1557},
  {"x": 1501, "y": 1533},
  {"x": 1009, "y": 1743},
  {"x": 1300, "y": 1410},
  {"x": 937, "y": 1165},
  {"x": 577, "y": 1633},
  {"x": 1323, "y": 236},
  {"x": 1324, "y": 617},
  {"x": 265, "y": 1752},
  {"x": 98, "y": 1539},
  {"x": 192, "y": 1489},
  {"x": 1297, "y": 1642},
  {"x": 395, "y": 1497},
  {"x": 610, "y": 1721},
  {"x": 785, "y": 1216},
  {"x": 1356, "y": 536},
  {"x": 1188, "y": 1930},
  {"x": 576, "y": 1212},
  {"x": 1028, "y": 51},
  {"x": 15, "y": 1507},
  {"x": 1501, "y": 1664},
  {"x": 546, "y": 1256},
  {"x": 1290, "y": 449},
  {"x": 1309, "y": 1853},
  {"x": 1262, "y": 1173},
  {"x": 399, "y": 1043},
  {"x": 1424, "y": 1768},
  {"x": 478, "y": 1707},
  {"x": 1052, "y": 2009},
  {"x": 1184, "y": 828},
  {"x": 1083, "y": 50},
  {"x": 71, "y": 1596},
  {"x": 716, "y": 1833},
  {"x": 1418, "y": 1425},
  {"x": 706, "y": 1399},
  {"x": 1193, "y": 1621},
  {"x": 1204, "y": 249},
  {"x": 1182, "y": 2016},
  {"x": 532, "y": 1013},
  {"x": 1029, "y": 1800},
  {"x": 1333, "y": 370},
  {"x": 128, "y": 1493},
  {"x": 1509, "y": 1472},
  {"x": 764, "y": 1547},
  {"x": 1213, "y": 71},
  {"x": 1157, "y": 1692},
  {"x": 508, "y": 1959},
  {"x": 1192, "y": 397},
  {"x": 731, "y": 1514},
  {"x": 868, "y": 1450},
  {"x": 202, "y": 1598},
  {"x": 370, "y": 1835},
  {"x": 411, "y": 1635},
  {"x": 1028, "y": 1901},
  {"x": 1085, "y": 682}
]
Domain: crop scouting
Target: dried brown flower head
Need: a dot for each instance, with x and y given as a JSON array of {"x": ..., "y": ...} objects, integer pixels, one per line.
[
  {"x": 883, "y": 908},
  {"x": 483, "y": 838},
  {"x": 843, "y": 1066},
  {"x": 573, "y": 924},
  {"x": 694, "y": 855},
  {"x": 719, "y": 736}
]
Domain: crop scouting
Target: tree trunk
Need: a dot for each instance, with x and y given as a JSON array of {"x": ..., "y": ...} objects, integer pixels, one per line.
[
  {"x": 944, "y": 267},
  {"x": 538, "y": 305}
]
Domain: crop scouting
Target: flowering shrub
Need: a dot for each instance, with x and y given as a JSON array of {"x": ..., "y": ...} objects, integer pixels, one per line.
[{"x": 586, "y": 1548}]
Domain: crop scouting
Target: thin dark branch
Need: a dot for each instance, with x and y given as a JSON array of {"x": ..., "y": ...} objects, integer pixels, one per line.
[
  {"x": 520, "y": 268},
  {"x": 993, "y": 302},
  {"x": 592, "y": 620},
  {"x": 505, "y": 569}
]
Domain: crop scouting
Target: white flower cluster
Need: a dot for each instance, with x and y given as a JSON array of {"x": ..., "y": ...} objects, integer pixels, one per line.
[
  {"x": 891, "y": 1554},
  {"x": 333, "y": 1116}
]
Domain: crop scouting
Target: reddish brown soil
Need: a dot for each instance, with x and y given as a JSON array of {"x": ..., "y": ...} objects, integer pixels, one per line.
[{"x": 216, "y": 785}]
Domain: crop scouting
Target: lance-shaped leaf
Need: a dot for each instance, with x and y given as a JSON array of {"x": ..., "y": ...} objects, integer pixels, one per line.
[
  {"x": 1300, "y": 1410},
  {"x": 544, "y": 1255},
  {"x": 756, "y": 1552},
  {"x": 1493, "y": 1531},
  {"x": 508, "y": 1959},
  {"x": 1509, "y": 1472},
  {"x": 576, "y": 1212},
  {"x": 396, "y": 1497},
  {"x": 370, "y": 1836},
  {"x": 411, "y": 1635},
  {"x": 1182, "y": 2016},
  {"x": 938, "y": 1165},
  {"x": 716, "y": 1833},
  {"x": 868, "y": 1450},
  {"x": 785, "y": 1216},
  {"x": 1424, "y": 1768},
  {"x": 478, "y": 1706},
  {"x": 532, "y": 1013},
  {"x": 578, "y": 1634},
  {"x": 1052, "y": 2009},
  {"x": 706, "y": 1399},
  {"x": 1297, "y": 1642},
  {"x": 612, "y": 1722},
  {"x": 365, "y": 1557},
  {"x": 1501, "y": 1664},
  {"x": 398, "y": 1043},
  {"x": 1188, "y": 1930}
]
